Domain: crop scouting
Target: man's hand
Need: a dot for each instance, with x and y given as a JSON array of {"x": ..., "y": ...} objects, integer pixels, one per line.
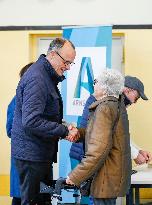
[
  {"x": 68, "y": 181},
  {"x": 73, "y": 135},
  {"x": 143, "y": 157},
  {"x": 146, "y": 155},
  {"x": 140, "y": 159}
]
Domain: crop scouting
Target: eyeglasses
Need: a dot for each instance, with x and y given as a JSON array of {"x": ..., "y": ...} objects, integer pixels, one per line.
[
  {"x": 95, "y": 81},
  {"x": 137, "y": 98},
  {"x": 65, "y": 61}
]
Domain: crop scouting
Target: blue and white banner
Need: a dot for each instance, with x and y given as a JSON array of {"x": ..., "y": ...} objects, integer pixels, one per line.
[{"x": 93, "y": 53}]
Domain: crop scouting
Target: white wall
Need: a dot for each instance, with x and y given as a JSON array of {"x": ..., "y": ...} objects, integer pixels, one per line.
[{"x": 74, "y": 12}]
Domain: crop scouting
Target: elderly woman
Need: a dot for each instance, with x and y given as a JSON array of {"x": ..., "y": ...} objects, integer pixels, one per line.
[{"x": 107, "y": 143}]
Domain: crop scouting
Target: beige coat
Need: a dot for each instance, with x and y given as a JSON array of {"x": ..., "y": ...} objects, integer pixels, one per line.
[{"x": 107, "y": 154}]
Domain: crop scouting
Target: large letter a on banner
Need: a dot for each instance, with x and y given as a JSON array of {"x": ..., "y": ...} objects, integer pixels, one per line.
[{"x": 85, "y": 66}]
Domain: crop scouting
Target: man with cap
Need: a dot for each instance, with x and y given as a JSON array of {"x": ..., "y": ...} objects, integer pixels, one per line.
[{"x": 134, "y": 89}]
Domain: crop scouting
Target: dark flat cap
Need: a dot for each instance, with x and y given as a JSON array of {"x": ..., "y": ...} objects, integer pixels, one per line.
[{"x": 136, "y": 84}]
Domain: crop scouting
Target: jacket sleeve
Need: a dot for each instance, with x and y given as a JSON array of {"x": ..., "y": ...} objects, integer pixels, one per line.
[
  {"x": 82, "y": 132},
  {"x": 99, "y": 146},
  {"x": 33, "y": 105},
  {"x": 134, "y": 150},
  {"x": 10, "y": 116}
]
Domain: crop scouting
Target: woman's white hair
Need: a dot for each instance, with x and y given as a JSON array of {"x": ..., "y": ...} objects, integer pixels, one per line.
[{"x": 111, "y": 82}]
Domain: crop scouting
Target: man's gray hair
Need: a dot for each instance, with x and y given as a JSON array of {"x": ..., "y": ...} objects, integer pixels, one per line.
[
  {"x": 58, "y": 43},
  {"x": 111, "y": 82}
]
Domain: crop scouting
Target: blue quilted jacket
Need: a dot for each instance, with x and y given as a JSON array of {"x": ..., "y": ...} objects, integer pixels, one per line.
[
  {"x": 77, "y": 151},
  {"x": 10, "y": 116},
  {"x": 38, "y": 115}
]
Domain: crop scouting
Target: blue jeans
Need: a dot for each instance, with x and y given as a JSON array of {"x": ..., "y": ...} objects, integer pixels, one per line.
[{"x": 104, "y": 201}]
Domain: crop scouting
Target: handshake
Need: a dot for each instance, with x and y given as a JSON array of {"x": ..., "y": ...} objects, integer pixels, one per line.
[{"x": 73, "y": 135}]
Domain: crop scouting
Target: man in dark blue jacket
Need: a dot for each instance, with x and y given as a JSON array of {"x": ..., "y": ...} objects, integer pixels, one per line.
[{"x": 37, "y": 124}]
